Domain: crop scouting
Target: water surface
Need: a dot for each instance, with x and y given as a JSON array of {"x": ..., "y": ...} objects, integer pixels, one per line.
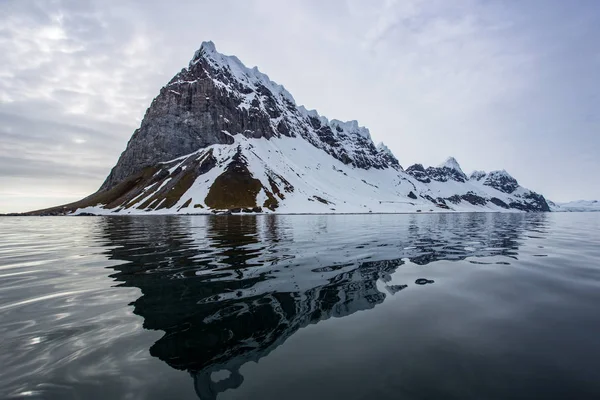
[{"x": 296, "y": 307}]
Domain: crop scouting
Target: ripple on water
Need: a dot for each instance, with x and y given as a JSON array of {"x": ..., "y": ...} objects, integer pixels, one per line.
[{"x": 124, "y": 304}]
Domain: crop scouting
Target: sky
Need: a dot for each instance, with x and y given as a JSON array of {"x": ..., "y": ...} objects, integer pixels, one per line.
[{"x": 496, "y": 84}]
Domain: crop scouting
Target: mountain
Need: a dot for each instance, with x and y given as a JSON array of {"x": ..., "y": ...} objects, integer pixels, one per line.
[
  {"x": 575, "y": 206},
  {"x": 220, "y": 136}
]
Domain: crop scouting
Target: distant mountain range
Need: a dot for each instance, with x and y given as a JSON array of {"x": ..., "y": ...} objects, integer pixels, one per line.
[
  {"x": 221, "y": 137},
  {"x": 575, "y": 206}
]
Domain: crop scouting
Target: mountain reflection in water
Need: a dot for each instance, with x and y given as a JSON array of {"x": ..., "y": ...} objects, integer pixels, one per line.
[{"x": 227, "y": 290}]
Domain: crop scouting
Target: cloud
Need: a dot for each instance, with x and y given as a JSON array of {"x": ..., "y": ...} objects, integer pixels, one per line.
[
  {"x": 495, "y": 84},
  {"x": 73, "y": 85}
]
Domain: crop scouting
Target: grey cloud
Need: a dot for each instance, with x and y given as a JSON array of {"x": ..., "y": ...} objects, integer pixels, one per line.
[
  {"x": 45, "y": 121},
  {"x": 496, "y": 84},
  {"x": 16, "y": 168}
]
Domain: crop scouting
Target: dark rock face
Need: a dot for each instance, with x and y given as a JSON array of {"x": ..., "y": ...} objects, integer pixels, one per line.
[
  {"x": 533, "y": 202},
  {"x": 235, "y": 189},
  {"x": 428, "y": 197},
  {"x": 454, "y": 199},
  {"x": 191, "y": 112},
  {"x": 423, "y": 281},
  {"x": 387, "y": 157},
  {"x": 217, "y": 97},
  {"x": 477, "y": 175},
  {"x": 499, "y": 202},
  {"x": 501, "y": 181},
  {"x": 474, "y": 199},
  {"x": 440, "y": 174},
  {"x": 439, "y": 202},
  {"x": 444, "y": 174},
  {"x": 418, "y": 172}
]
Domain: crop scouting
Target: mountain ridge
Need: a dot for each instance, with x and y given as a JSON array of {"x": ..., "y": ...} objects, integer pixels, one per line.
[
  {"x": 575, "y": 206},
  {"x": 220, "y": 136}
]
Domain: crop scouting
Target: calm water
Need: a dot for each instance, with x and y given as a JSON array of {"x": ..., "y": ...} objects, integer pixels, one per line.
[{"x": 298, "y": 307}]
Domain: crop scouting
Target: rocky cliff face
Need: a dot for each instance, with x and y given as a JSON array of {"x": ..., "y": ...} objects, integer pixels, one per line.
[
  {"x": 449, "y": 170},
  {"x": 215, "y": 97},
  {"x": 418, "y": 172},
  {"x": 223, "y": 137},
  {"x": 501, "y": 181}
]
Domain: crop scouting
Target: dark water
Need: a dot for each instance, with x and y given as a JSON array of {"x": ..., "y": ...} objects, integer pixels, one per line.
[{"x": 297, "y": 307}]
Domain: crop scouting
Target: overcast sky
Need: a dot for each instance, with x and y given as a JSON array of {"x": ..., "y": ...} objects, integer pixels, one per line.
[{"x": 497, "y": 84}]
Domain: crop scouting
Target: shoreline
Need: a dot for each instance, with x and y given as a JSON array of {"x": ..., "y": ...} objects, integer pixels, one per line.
[{"x": 263, "y": 214}]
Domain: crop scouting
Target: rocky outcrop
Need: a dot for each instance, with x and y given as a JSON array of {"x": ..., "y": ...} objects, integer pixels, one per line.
[
  {"x": 449, "y": 170},
  {"x": 387, "y": 157},
  {"x": 531, "y": 202},
  {"x": 501, "y": 181},
  {"x": 418, "y": 172},
  {"x": 477, "y": 175}
]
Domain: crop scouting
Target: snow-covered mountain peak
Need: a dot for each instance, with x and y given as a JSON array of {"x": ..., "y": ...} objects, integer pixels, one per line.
[
  {"x": 448, "y": 170},
  {"x": 451, "y": 163},
  {"x": 386, "y": 154},
  {"x": 207, "y": 49},
  {"x": 501, "y": 180},
  {"x": 217, "y": 97},
  {"x": 501, "y": 173},
  {"x": 341, "y": 127},
  {"x": 351, "y": 127},
  {"x": 382, "y": 148},
  {"x": 221, "y": 136},
  {"x": 208, "y": 46},
  {"x": 477, "y": 175},
  {"x": 253, "y": 79},
  {"x": 250, "y": 77},
  {"x": 313, "y": 114}
]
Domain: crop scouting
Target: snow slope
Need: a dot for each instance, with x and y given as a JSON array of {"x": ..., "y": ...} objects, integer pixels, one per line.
[{"x": 317, "y": 182}]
